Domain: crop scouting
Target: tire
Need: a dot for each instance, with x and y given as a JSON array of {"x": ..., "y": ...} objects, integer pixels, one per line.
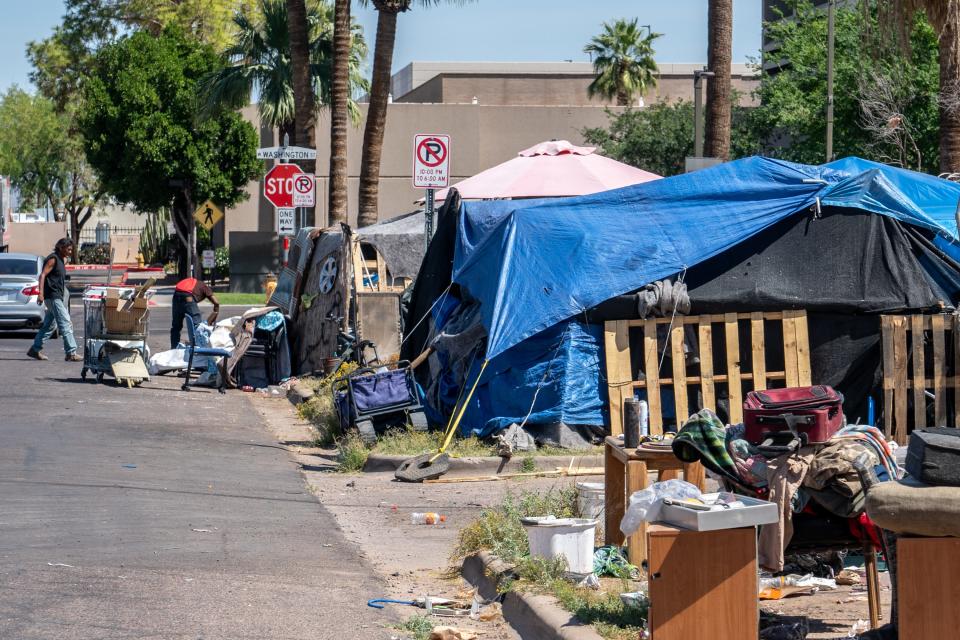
[
  {"x": 368, "y": 432},
  {"x": 100, "y": 378},
  {"x": 418, "y": 420},
  {"x": 83, "y": 373},
  {"x": 420, "y": 468}
]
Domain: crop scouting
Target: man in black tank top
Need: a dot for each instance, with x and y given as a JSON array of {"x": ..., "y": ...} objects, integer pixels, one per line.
[{"x": 53, "y": 293}]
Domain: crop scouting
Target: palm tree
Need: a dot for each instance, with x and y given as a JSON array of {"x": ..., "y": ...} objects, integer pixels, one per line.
[
  {"x": 303, "y": 98},
  {"x": 623, "y": 62},
  {"x": 719, "y": 54},
  {"x": 260, "y": 62},
  {"x": 387, "y": 11},
  {"x": 944, "y": 15},
  {"x": 339, "y": 96}
]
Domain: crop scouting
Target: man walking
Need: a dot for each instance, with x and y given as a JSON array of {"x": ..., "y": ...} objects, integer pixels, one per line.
[
  {"x": 53, "y": 293},
  {"x": 186, "y": 295}
]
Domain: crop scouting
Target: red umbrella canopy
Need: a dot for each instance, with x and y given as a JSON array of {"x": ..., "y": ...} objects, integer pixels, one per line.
[{"x": 550, "y": 169}]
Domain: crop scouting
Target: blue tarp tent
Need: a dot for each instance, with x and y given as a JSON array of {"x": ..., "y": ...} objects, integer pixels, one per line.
[
  {"x": 540, "y": 265},
  {"x": 534, "y": 267}
]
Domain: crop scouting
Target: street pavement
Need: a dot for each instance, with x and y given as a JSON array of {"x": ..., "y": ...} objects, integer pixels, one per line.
[{"x": 154, "y": 513}]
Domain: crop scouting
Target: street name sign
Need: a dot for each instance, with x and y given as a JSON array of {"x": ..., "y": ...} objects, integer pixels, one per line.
[
  {"x": 431, "y": 160},
  {"x": 286, "y": 153},
  {"x": 286, "y": 221},
  {"x": 304, "y": 190},
  {"x": 208, "y": 215}
]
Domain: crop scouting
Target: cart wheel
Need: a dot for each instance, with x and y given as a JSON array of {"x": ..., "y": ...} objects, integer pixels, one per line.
[
  {"x": 83, "y": 373},
  {"x": 367, "y": 432},
  {"x": 418, "y": 420},
  {"x": 100, "y": 377}
]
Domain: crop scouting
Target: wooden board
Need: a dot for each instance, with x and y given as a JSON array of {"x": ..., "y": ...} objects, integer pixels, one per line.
[
  {"x": 928, "y": 588},
  {"x": 702, "y": 584},
  {"x": 916, "y": 366},
  {"x": 682, "y": 375}
]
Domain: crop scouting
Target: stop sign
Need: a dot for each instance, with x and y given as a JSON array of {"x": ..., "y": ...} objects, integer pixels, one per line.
[{"x": 278, "y": 185}]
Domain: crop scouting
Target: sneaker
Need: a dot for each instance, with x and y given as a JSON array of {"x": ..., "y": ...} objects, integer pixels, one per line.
[
  {"x": 73, "y": 357},
  {"x": 36, "y": 354}
]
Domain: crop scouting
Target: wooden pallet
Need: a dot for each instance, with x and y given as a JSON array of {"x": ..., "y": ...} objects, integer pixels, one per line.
[
  {"x": 918, "y": 351},
  {"x": 726, "y": 373}
]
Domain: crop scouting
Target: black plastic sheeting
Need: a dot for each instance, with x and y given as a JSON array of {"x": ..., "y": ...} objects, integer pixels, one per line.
[{"x": 433, "y": 279}]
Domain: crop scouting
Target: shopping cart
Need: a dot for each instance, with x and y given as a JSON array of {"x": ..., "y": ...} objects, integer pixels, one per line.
[
  {"x": 369, "y": 398},
  {"x": 120, "y": 354}
]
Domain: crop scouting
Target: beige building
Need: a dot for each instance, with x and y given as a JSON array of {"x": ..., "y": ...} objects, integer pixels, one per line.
[{"x": 517, "y": 105}]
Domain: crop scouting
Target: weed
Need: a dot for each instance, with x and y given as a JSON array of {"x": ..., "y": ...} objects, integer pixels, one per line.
[
  {"x": 407, "y": 442},
  {"x": 419, "y": 627},
  {"x": 352, "y": 453},
  {"x": 528, "y": 465}
]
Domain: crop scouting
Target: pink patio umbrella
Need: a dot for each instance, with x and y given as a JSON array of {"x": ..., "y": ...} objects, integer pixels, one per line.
[{"x": 550, "y": 170}]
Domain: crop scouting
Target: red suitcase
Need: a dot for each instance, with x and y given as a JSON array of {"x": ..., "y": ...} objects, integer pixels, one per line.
[{"x": 813, "y": 414}]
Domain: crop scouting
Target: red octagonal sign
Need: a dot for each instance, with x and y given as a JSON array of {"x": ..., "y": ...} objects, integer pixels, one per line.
[{"x": 278, "y": 185}]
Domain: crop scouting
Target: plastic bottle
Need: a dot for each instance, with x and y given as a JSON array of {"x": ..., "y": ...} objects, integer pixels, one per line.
[{"x": 427, "y": 518}]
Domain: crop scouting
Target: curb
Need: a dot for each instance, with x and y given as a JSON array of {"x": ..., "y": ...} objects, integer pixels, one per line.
[
  {"x": 378, "y": 462},
  {"x": 531, "y": 616}
]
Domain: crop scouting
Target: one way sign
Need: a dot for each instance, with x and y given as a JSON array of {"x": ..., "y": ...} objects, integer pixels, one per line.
[{"x": 431, "y": 160}]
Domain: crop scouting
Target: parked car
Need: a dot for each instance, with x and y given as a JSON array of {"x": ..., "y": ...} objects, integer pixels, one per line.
[{"x": 19, "y": 288}]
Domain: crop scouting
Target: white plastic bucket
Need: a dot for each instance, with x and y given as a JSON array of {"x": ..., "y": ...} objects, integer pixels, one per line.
[
  {"x": 571, "y": 538},
  {"x": 591, "y": 499}
]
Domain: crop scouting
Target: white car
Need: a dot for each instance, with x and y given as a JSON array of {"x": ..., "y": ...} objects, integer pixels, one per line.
[{"x": 19, "y": 288}]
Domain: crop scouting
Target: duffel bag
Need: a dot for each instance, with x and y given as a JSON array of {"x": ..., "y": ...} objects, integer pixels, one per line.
[{"x": 933, "y": 456}]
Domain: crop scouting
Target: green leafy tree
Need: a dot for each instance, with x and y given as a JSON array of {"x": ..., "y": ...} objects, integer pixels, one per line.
[
  {"x": 622, "y": 61},
  {"x": 45, "y": 160},
  {"x": 143, "y": 137},
  {"x": 259, "y": 62},
  {"x": 885, "y": 105},
  {"x": 944, "y": 16}
]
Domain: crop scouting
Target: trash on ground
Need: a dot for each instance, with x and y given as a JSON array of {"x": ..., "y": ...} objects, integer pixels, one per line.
[
  {"x": 860, "y": 626},
  {"x": 427, "y": 518},
  {"x": 779, "y": 593},
  {"x": 59, "y": 564},
  {"x": 635, "y": 600},
  {"x": 610, "y": 561},
  {"x": 453, "y": 633},
  {"x": 847, "y": 577}
]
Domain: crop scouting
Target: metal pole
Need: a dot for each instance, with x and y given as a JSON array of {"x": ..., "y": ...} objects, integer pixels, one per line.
[
  {"x": 428, "y": 218},
  {"x": 697, "y": 115},
  {"x": 831, "y": 10}
]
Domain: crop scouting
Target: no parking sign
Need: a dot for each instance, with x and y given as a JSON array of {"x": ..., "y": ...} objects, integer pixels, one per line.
[{"x": 431, "y": 160}]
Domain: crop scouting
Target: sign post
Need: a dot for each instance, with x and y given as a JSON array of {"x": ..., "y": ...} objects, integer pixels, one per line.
[
  {"x": 287, "y": 188},
  {"x": 431, "y": 170}
]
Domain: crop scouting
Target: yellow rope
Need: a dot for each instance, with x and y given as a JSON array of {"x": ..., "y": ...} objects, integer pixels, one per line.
[{"x": 457, "y": 415}]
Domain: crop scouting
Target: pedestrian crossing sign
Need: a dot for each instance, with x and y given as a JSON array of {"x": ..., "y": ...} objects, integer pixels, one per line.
[{"x": 208, "y": 215}]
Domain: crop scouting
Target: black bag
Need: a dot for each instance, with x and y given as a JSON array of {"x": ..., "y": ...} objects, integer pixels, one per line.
[{"x": 933, "y": 456}]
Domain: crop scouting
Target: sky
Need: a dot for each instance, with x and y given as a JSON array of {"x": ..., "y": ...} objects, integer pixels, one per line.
[{"x": 485, "y": 30}]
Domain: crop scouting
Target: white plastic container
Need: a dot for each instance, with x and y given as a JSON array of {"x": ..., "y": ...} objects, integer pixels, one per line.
[
  {"x": 590, "y": 499},
  {"x": 571, "y": 538}
]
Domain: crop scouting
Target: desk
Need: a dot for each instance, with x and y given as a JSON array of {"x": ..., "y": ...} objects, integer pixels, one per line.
[{"x": 625, "y": 471}]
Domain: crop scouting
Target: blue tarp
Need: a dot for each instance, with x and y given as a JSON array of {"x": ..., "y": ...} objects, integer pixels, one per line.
[{"x": 532, "y": 267}]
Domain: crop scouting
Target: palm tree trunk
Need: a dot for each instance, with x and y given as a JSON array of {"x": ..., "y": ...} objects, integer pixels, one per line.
[
  {"x": 719, "y": 54},
  {"x": 376, "y": 117},
  {"x": 304, "y": 130},
  {"x": 949, "y": 97},
  {"x": 339, "y": 118}
]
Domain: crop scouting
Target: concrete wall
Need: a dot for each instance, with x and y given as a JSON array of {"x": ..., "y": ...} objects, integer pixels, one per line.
[
  {"x": 481, "y": 136},
  {"x": 554, "y": 90},
  {"x": 35, "y": 237}
]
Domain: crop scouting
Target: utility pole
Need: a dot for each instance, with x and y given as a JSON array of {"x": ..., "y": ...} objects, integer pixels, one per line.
[
  {"x": 831, "y": 10},
  {"x": 698, "y": 76}
]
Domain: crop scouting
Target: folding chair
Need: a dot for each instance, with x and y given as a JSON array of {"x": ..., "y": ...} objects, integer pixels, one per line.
[{"x": 194, "y": 350}]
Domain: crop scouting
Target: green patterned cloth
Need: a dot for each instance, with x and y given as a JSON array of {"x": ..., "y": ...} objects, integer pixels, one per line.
[{"x": 703, "y": 439}]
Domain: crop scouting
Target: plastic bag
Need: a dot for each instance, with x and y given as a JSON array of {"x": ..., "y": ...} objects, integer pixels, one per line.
[{"x": 645, "y": 505}]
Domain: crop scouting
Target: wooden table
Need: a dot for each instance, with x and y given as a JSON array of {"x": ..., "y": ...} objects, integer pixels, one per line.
[{"x": 625, "y": 471}]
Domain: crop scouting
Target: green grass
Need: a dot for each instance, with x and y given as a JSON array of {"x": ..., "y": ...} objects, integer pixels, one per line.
[
  {"x": 352, "y": 454},
  {"x": 419, "y": 627},
  {"x": 249, "y": 299},
  {"x": 499, "y": 531},
  {"x": 407, "y": 442},
  {"x": 528, "y": 464}
]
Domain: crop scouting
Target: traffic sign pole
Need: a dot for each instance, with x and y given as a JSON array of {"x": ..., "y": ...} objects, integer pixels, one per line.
[{"x": 428, "y": 217}]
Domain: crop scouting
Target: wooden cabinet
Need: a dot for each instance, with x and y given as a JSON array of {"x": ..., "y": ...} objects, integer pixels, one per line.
[
  {"x": 928, "y": 588},
  {"x": 703, "y": 584}
]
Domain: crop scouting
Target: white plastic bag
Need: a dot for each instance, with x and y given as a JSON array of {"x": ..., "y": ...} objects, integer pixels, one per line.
[{"x": 645, "y": 504}]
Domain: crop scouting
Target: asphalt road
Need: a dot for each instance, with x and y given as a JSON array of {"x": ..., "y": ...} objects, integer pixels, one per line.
[{"x": 154, "y": 513}]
